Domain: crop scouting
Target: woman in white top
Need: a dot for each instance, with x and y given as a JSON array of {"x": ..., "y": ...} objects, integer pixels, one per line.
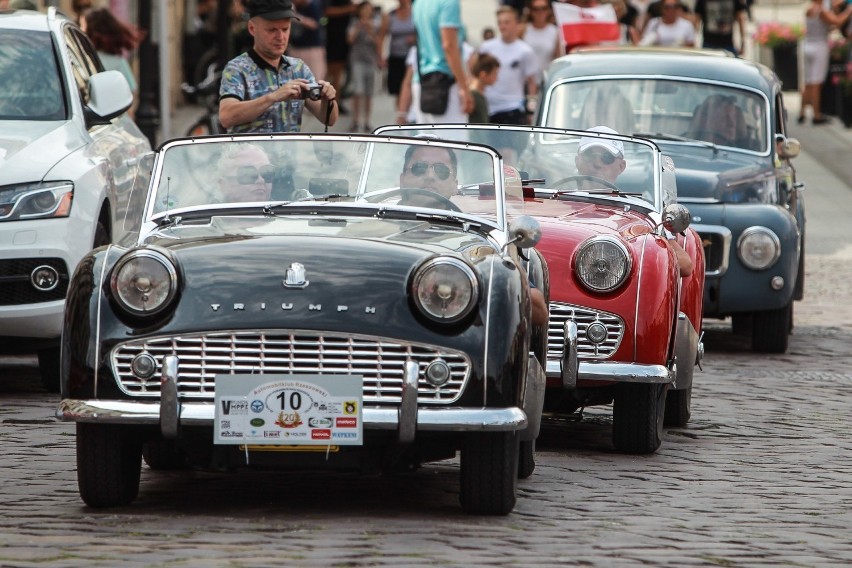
[
  {"x": 542, "y": 36},
  {"x": 819, "y": 18},
  {"x": 672, "y": 29}
]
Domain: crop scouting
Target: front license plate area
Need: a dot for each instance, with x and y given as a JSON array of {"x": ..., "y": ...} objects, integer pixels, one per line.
[{"x": 303, "y": 410}]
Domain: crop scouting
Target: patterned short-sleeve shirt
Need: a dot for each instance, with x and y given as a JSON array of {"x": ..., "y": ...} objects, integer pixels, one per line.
[{"x": 248, "y": 77}]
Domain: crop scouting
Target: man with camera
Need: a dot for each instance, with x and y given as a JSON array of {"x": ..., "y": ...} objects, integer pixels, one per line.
[{"x": 264, "y": 90}]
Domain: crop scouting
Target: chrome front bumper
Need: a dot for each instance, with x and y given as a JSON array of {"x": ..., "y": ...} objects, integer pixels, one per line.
[
  {"x": 170, "y": 413},
  {"x": 615, "y": 372}
]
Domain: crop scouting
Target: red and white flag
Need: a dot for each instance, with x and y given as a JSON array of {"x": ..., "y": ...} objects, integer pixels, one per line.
[{"x": 585, "y": 26}]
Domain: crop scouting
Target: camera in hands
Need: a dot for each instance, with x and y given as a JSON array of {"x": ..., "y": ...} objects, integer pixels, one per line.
[{"x": 313, "y": 92}]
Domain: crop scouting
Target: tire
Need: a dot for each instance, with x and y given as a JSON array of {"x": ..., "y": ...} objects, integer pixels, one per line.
[
  {"x": 48, "y": 368},
  {"x": 101, "y": 236},
  {"x": 771, "y": 330},
  {"x": 678, "y": 403},
  {"x": 526, "y": 459},
  {"x": 489, "y": 473},
  {"x": 163, "y": 455},
  {"x": 638, "y": 413},
  {"x": 109, "y": 463}
]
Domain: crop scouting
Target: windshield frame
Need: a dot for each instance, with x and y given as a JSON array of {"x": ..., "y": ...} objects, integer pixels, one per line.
[
  {"x": 152, "y": 217},
  {"x": 767, "y": 102}
]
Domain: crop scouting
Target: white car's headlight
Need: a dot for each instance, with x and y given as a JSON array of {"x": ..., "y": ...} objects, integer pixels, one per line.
[
  {"x": 445, "y": 289},
  {"x": 758, "y": 248},
  {"x": 36, "y": 200},
  {"x": 144, "y": 282},
  {"x": 603, "y": 264}
]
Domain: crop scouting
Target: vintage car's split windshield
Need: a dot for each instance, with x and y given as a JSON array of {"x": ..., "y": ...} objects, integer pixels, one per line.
[
  {"x": 549, "y": 159},
  {"x": 31, "y": 86},
  {"x": 662, "y": 108},
  {"x": 324, "y": 169}
]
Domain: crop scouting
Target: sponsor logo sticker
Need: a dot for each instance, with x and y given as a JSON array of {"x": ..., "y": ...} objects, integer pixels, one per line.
[
  {"x": 346, "y": 422},
  {"x": 321, "y": 434}
]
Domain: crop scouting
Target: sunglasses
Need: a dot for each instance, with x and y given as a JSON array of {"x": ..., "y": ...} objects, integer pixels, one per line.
[
  {"x": 670, "y": 6},
  {"x": 539, "y": 8},
  {"x": 604, "y": 156},
  {"x": 247, "y": 175},
  {"x": 418, "y": 169}
]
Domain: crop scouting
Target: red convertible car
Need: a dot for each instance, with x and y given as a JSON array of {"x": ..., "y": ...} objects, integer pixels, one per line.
[{"x": 626, "y": 274}]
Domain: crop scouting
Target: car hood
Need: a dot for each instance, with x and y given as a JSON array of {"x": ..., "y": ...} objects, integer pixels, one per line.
[
  {"x": 702, "y": 174},
  {"x": 29, "y": 149},
  {"x": 577, "y": 220}
]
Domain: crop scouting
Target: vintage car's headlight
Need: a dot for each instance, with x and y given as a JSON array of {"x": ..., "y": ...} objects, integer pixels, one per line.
[
  {"x": 758, "y": 248},
  {"x": 445, "y": 289},
  {"x": 36, "y": 200},
  {"x": 144, "y": 282},
  {"x": 603, "y": 264}
]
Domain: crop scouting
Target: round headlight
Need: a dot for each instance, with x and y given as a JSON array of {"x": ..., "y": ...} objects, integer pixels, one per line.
[
  {"x": 758, "y": 248},
  {"x": 603, "y": 264},
  {"x": 144, "y": 282},
  {"x": 445, "y": 289}
]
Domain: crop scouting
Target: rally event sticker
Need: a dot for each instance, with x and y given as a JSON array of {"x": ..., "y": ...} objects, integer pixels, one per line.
[{"x": 289, "y": 409}]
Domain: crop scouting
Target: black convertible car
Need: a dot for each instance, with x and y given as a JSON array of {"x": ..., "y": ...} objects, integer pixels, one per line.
[{"x": 310, "y": 301}]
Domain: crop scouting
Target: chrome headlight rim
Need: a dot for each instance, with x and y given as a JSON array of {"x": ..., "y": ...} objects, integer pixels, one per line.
[
  {"x": 158, "y": 256},
  {"x": 758, "y": 230},
  {"x": 469, "y": 277},
  {"x": 620, "y": 246}
]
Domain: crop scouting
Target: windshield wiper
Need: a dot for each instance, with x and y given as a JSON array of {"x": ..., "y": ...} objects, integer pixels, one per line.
[
  {"x": 676, "y": 138},
  {"x": 270, "y": 209}
]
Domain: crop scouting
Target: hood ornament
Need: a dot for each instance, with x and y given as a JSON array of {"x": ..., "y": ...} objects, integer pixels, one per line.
[{"x": 295, "y": 277}]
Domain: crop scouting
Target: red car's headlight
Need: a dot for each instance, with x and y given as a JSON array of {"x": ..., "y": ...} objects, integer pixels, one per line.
[{"x": 602, "y": 264}]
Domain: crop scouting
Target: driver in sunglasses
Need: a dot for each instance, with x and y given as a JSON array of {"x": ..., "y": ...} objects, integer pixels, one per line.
[
  {"x": 432, "y": 168},
  {"x": 600, "y": 157},
  {"x": 245, "y": 174},
  {"x": 604, "y": 158}
]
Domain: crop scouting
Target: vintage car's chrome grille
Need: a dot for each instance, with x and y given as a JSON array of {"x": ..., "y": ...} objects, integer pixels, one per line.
[
  {"x": 560, "y": 313},
  {"x": 380, "y": 361}
]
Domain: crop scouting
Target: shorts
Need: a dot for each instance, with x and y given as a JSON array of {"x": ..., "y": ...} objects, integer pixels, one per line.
[
  {"x": 396, "y": 72},
  {"x": 362, "y": 78},
  {"x": 816, "y": 61}
]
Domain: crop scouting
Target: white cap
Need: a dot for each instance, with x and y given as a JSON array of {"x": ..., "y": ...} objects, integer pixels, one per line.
[{"x": 614, "y": 147}]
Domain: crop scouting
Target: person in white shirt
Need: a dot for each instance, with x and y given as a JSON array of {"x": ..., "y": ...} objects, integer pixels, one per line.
[
  {"x": 671, "y": 29},
  {"x": 542, "y": 36},
  {"x": 518, "y": 69}
]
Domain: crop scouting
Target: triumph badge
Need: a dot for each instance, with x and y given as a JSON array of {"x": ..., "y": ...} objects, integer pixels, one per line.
[{"x": 295, "y": 277}]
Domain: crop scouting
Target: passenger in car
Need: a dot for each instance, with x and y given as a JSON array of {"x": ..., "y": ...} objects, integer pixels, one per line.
[
  {"x": 245, "y": 174},
  {"x": 719, "y": 120},
  {"x": 604, "y": 158}
]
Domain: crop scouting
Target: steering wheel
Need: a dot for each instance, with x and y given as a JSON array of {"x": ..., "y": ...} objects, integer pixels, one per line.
[
  {"x": 580, "y": 177},
  {"x": 410, "y": 192}
]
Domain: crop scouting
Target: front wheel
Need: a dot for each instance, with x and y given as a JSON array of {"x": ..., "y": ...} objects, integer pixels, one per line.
[
  {"x": 109, "y": 463},
  {"x": 771, "y": 330},
  {"x": 163, "y": 455},
  {"x": 526, "y": 459},
  {"x": 489, "y": 472},
  {"x": 637, "y": 417},
  {"x": 678, "y": 407}
]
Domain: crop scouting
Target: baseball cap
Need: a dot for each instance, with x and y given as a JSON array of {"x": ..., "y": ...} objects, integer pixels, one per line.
[
  {"x": 271, "y": 9},
  {"x": 614, "y": 147}
]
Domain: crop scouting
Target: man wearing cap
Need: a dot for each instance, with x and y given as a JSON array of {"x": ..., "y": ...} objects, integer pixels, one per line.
[
  {"x": 264, "y": 90},
  {"x": 604, "y": 158}
]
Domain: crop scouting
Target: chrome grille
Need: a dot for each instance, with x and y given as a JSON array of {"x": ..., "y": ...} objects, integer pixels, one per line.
[
  {"x": 381, "y": 362},
  {"x": 560, "y": 313}
]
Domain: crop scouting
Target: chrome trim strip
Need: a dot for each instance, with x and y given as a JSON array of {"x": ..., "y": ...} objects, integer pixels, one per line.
[
  {"x": 407, "y": 411},
  {"x": 487, "y": 334},
  {"x": 617, "y": 372},
  {"x": 725, "y": 233},
  {"x": 201, "y": 414},
  {"x": 639, "y": 293},
  {"x": 98, "y": 317}
]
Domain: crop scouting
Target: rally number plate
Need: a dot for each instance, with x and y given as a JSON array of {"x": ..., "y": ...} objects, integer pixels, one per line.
[{"x": 288, "y": 409}]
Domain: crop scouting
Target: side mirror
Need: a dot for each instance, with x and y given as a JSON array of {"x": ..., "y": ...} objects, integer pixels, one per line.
[
  {"x": 676, "y": 218},
  {"x": 788, "y": 148},
  {"x": 525, "y": 231},
  {"x": 109, "y": 96}
]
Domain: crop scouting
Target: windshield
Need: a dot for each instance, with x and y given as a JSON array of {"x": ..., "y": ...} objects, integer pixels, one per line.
[
  {"x": 574, "y": 163},
  {"x": 31, "y": 86},
  {"x": 293, "y": 170},
  {"x": 664, "y": 109}
]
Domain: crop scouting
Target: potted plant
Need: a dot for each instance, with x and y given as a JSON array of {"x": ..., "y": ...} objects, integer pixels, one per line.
[
  {"x": 783, "y": 41},
  {"x": 833, "y": 95}
]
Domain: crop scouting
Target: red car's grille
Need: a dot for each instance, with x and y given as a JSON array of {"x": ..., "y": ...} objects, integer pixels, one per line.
[
  {"x": 583, "y": 317},
  {"x": 381, "y": 362}
]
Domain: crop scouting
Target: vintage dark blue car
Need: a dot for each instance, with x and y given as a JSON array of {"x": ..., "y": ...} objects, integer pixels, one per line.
[
  {"x": 309, "y": 301},
  {"x": 723, "y": 122}
]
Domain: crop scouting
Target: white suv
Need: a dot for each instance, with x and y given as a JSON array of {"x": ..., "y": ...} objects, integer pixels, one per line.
[{"x": 68, "y": 156}]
